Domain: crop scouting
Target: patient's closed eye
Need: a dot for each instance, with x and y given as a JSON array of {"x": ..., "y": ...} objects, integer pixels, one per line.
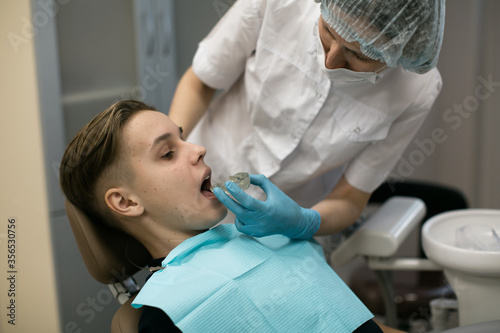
[{"x": 168, "y": 155}]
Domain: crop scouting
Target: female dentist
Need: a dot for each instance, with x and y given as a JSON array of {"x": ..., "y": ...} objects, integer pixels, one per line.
[{"x": 320, "y": 98}]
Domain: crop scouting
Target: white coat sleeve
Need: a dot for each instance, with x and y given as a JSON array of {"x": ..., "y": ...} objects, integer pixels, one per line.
[{"x": 221, "y": 57}]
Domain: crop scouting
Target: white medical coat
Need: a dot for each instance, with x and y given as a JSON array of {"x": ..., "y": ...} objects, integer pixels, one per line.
[{"x": 280, "y": 115}]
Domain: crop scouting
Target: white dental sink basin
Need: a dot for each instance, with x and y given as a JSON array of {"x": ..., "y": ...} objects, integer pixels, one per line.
[
  {"x": 473, "y": 267},
  {"x": 439, "y": 242}
]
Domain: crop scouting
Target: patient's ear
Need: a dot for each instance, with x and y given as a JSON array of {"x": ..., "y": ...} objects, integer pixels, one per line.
[{"x": 121, "y": 201}]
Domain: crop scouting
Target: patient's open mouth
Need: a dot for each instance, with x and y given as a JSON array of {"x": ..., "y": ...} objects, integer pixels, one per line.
[{"x": 205, "y": 186}]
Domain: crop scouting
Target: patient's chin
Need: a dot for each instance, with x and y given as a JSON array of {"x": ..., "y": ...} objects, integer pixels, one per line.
[
  {"x": 220, "y": 218},
  {"x": 223, "y": 215},
  {"x": 212, "y": 218}
]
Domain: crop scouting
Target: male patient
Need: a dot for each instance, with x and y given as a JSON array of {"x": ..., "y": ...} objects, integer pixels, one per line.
[{"x": 131, "y": 169}]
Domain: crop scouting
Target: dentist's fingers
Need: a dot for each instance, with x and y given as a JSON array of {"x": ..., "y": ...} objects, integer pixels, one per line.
[
  {"x": 263, "y": 182},
  {"x": 227, "y": 201},
  {"x": 257, "y": 180},
  {"x": 250, "y": 230},
  {"x": 244, "y": 199}
]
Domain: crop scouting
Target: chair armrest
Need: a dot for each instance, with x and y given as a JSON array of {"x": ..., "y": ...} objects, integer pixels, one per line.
[{"x": 384, "y": 232}]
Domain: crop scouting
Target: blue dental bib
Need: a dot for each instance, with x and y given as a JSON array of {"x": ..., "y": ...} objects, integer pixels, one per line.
[{"x": 225, "y": 281}]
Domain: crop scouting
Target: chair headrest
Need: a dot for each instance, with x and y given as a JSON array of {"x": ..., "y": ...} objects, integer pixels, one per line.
[{"x": 110, "y": 255}]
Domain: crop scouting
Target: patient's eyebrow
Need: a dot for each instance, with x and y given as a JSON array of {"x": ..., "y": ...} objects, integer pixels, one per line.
[
  {"x": 163, "y": 137},
  {"x": 159, "y": 139}
]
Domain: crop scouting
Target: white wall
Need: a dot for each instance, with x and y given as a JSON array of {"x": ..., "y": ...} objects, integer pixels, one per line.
[{"x": 23, "y": 186}]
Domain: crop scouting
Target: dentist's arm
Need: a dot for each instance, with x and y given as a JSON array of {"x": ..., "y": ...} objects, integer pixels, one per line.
[
  {"x": 191, "y": 99},
  {"x": 341, "y": 208}
]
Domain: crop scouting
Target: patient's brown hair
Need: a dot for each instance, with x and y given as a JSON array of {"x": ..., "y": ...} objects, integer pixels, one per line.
[{"x": 94, "y": 156}]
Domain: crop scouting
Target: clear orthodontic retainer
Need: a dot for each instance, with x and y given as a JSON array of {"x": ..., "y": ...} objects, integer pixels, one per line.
[{"x": 242, "y": 179}]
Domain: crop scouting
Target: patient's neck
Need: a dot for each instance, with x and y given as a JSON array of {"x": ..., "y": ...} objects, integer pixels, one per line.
[{"x": 160, "y": 241}]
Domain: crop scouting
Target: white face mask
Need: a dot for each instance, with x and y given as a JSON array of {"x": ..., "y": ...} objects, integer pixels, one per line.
[{"x": 343, "y": 74}]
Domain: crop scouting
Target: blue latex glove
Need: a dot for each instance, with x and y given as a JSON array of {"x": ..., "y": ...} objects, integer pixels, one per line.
[{"x": 279, "y": 214}]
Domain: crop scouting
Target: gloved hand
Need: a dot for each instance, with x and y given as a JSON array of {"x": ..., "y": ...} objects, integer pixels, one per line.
[{"x": 279, "y": 214}]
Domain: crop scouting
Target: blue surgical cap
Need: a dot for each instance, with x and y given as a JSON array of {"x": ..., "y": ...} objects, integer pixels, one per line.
[{"x": 398, "y": 32}]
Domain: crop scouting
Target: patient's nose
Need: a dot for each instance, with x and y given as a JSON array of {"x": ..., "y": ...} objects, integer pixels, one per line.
[{"x": 198, "y": 152}]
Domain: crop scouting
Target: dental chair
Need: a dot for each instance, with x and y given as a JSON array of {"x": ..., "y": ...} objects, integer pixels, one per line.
[{"x": 112, "y": 258}]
